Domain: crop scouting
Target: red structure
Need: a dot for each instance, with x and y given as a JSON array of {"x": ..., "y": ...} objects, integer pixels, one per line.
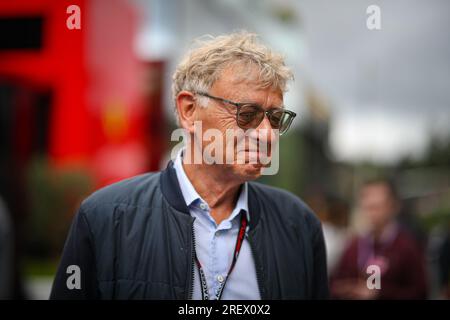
[{"x": 84, "y": 87}]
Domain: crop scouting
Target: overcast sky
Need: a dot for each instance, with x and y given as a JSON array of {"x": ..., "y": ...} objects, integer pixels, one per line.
[{"x": 391, "y": 87}]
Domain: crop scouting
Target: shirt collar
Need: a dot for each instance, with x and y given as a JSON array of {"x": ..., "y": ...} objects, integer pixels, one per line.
[{"x": 191, "y": 196}]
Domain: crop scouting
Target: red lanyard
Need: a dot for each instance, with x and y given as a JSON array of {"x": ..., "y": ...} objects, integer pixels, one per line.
[{"x": 237, "y": 249}]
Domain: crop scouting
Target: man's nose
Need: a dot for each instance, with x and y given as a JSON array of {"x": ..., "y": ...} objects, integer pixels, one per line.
[{"x": 265, "y": 132}]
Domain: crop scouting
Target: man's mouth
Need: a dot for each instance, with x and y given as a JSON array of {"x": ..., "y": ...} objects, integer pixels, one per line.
[{"x": 254, "y": 156}]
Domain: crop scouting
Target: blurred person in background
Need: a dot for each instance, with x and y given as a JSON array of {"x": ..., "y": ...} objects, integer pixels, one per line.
[
  {"x": 203, "y": 230},
  {"x": 385, "y": 244},
  {"x": 6, "y": 253},
  {"x": 335, "y": 230},
  {"x": 333, "y": 212},
  {"x": 444, "y": 267}
]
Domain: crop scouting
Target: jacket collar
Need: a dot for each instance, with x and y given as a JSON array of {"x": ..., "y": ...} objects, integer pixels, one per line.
[
  {"x": 172, "y": 192},
  {"x": 171, "y": 188}
]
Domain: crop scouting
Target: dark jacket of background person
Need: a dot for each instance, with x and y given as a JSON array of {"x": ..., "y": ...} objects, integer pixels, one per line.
[
  {"x": 134, "y": 240},
  {"x": 444, "y": 266},
  {"x": 403, "y": 275},
  {"x": 6, "y": 253}
]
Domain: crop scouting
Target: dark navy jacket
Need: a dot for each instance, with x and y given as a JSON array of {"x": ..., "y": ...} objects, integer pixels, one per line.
[{"x": 134, "y": 240}]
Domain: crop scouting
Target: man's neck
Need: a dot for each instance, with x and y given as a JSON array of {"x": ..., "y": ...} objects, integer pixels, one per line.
[
  {"x": 384, "y": 232},
  {"x": 219, "y": 192}
]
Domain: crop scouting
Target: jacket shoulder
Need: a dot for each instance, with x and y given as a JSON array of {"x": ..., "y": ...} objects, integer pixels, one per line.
[
  {"x": 285, "y": 203},
  {"x": 135, "y": 191}
]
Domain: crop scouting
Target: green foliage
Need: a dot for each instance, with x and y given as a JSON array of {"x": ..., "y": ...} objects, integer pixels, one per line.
[
  {"x": 54, "y": 197},
  {"x": 438, "y": 217}
]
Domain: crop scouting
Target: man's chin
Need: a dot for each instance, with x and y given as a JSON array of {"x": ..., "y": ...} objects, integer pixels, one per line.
[{"x": 250, "y": 171}]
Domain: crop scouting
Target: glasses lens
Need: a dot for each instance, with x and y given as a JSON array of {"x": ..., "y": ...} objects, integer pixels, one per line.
[
  {"x": 276, "y": 118},
  {"x": 249, "y": 116},
  {"x": 281, "y": 120}
]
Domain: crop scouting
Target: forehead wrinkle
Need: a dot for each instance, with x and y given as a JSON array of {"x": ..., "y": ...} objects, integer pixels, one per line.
[
  {"x": 245, "y": 92},
  {"x": 269, "y": 101}
]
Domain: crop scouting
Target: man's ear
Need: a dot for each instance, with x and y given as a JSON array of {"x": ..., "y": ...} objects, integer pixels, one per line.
[{"x": 186, "y": 108}]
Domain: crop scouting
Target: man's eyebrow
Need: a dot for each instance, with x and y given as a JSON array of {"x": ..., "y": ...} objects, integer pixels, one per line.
[
  {"x": 282, "y": 106},
  {"x": 272, "y": 107}
]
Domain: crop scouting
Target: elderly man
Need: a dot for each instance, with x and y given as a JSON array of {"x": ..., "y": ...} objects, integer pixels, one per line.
[{"x": 202, "y": 229}]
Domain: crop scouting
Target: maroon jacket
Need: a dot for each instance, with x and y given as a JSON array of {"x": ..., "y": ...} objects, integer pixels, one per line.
[{"x": 403, "y": 273}]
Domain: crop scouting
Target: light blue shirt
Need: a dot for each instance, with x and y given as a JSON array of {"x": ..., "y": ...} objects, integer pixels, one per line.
[{"x": 215, "y": 245}]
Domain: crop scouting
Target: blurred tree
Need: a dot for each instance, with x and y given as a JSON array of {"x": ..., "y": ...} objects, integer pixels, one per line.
[{"x": 55, "y": 195}]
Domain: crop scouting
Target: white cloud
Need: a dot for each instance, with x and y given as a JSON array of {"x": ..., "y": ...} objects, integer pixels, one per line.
[{"x": 378, "y": 136}]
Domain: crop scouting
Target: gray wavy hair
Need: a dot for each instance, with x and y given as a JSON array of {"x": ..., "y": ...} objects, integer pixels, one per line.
[{"x": 203, "y": 65}]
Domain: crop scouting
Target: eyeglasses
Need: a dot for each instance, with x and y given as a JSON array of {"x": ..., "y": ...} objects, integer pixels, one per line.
[{"x": 250, "y": 115}]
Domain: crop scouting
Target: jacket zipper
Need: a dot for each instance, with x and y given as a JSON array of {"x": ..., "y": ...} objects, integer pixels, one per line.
[
  {"x": 191, "y": 287},
  {"x": 257, "y": 267}
]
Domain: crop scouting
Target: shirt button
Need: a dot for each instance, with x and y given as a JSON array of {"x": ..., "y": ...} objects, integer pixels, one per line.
[
  {"x": 203, "y": 206},
  {"x": 220, "y": 278}
]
